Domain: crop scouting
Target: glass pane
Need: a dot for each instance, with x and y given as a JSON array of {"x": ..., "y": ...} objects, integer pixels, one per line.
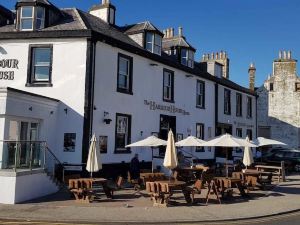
[
  {"x": 149, "y": 38},
  {"x": 41, "y": 73},
  {"x": 157, "y": 49},
  {"x": 157, "y": 40},
  {"x": 42, "y": 56},
  {"x": 122, "y": 81},
  {"x": 27, "y": 11},
  {"x": 40, "y": 13},
  {"x": 39, "y": 24},
  {"x": 26, "y": 24},
  {"x": 149, "y": 47},
  {"x": 123, "y": 66},
  {"x": 166, "y": 78},
  {"x": 120, "y": 140}
]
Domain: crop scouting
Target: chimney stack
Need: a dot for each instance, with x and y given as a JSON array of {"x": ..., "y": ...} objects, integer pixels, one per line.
[
  {"x": 106, "y": 11},
  {"x": 251, "y": 72}
]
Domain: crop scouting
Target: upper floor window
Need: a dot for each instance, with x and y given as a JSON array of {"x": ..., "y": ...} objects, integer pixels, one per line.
[
  {"x": 32, "y": 18},
  {"x": 40, "y": 65},
  {"x": 124, "y": 74},
  {"x": 249, "y": 107},
  {"x": 168, "y": 86},
  {"x": 153, "y": 43},
  {"x": 238, "y": 104},
  {"x": 187, "y": 57},
  {"x": 227, "y": 101},
  {"x": 271, "y": 87},
  {"x": 200, "y": 94}
]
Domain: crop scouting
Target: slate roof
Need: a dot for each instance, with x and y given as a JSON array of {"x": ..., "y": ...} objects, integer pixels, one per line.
[
  {"x": 37, "y": 1},
  {"x": 76, "y": 23},
  {"x": 140, "y": 27},
  {"x": 175, "y": 41},
  {"x": 6, "y": 13}
]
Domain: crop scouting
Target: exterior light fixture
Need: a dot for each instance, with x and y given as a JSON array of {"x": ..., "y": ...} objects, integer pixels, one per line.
[
  {"x": 66, "y": 110},
  {"x": 153, "y": 64}
]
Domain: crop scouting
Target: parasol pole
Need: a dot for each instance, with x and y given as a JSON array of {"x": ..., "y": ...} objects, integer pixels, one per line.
[
  {"x": 226, "y": 162},
  {"x": 152, "y": 159}
]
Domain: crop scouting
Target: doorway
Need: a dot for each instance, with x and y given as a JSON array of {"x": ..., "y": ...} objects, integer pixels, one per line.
[{"x": 166, "y": 123}]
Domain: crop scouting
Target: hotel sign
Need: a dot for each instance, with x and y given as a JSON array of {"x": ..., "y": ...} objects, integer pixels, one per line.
[
  {"x": 6, "y": 66},
  {"x": 168, "y": 108}
]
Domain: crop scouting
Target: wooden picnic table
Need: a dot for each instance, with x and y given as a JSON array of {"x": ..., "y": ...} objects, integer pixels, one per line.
[
  {"x": 279, "y": 170},
  {"x": 84, "y": 188},
  {"x": 228, "y": 183},
  {"x": 179, "y": 185}
]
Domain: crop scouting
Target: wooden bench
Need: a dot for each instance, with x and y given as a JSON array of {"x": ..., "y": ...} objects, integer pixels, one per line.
[
  {"x": 277, "y": 171},
  {"x": 159, "y": 193},
  {"x": 81, "y": 189}
]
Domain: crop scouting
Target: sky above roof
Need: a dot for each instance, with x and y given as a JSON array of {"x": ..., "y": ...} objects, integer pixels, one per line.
[{"x": 249, "y": 31}]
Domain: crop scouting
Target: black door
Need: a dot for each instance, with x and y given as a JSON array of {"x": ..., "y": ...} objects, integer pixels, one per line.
[{"x": 166, "y": 123}]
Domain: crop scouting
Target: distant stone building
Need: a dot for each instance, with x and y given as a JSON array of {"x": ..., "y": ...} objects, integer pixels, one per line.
[{"x": 278, "y": 105}]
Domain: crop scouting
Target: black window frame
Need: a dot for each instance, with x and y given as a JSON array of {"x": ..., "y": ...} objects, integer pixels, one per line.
[
  {"x": 172, "y": 85},
  {"x": 239, "y": 105},
  {"x": 237, "y": 130},
  {"x": 249, "y": 134},
  {"x": 225, "y": 102},
  {"x": 130, "y": 75},
  {"x": 249, "y": 107},
  {"x": 129, "y": 119},
  {"x": 200, "y": 149},
  {"x": 31, "y": 82},
  {"x": 202, "y": 96}
]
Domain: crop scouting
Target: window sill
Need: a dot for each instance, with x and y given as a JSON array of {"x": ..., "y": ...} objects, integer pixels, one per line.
[
  {"x": 124, "y": 91},
  {"x": 228, "y": 114},
  {"x": 239, "y": 116},
  {"x": 38, "y": 85},
  {"x": 200, "y": 107},
  {"x": 170, "y": 101},
  {"x": 122, "y": 151}
]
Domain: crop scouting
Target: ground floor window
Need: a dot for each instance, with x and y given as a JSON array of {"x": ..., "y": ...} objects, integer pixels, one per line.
[
  {"x": 249, "y": 134},
  {"x": 123, "y": 133},
  {"x": 200, "y": 135},
  {"x": 239, "y": 132}
]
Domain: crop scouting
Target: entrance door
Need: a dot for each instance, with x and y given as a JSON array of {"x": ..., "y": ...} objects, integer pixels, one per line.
[{"x": 166, "y": 123}]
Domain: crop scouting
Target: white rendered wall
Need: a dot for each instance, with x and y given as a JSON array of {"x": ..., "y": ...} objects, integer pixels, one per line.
[
  {"x": 16, "y": 189},
  {"x": 68, "y": 79},
  {"x": 147, "y": 85}
]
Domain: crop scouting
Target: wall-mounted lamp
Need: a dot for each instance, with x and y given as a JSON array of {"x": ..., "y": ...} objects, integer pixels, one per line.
[
  {"x": 153, "y": 64},
  {"x": 95, "y": 108},
  {"x": 141, "y": 133},
  {"x": 51, "y": 113},
  {"x": 30, "y": 108},
  {"x": 106, "y": 119},
  {"x": 188, "y": 75},
  {"x": 66, "y": 110}
]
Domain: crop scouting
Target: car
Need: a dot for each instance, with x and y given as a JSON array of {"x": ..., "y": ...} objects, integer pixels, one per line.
[{"x": 291, "y": 157}]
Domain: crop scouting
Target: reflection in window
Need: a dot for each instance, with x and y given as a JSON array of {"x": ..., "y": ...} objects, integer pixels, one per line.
[
  {"x": 32, "y": 18},
  {"x": 153, "y": 43},
  {"x": 187, "y": 57}
]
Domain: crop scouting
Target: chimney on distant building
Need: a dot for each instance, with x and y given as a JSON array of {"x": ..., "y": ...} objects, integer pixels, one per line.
[
  {"x": 105, "y": 11},
  {"x": 251, "y": 72},
  {"x": 221, "y": 58}
]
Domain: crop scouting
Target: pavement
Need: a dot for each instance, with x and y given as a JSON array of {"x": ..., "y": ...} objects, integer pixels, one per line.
[{"x": 284, "y": 198}]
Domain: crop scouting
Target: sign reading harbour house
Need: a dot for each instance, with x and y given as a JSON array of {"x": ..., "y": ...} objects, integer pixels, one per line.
[
  {"x": 169, "y": 108},
  {"x": 8, "y": 64}
]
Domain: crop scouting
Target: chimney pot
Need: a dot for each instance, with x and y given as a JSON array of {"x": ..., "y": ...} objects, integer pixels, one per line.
[
  {"x": 284, "y": 54},
  {"x": 212, "y": 55},
  {"x": 289, "y": 55},
  {"x": 280, "y": 54},
  {"x": 180, "y": 31},
  {"x": 172, "y": 32}
]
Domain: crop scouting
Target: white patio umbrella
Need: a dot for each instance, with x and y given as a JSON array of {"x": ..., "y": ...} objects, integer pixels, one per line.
[
  {"x": 94, "y": 163},
  {"x": 170, "y": 160},
  {"x": 151, "y": 141},
  {"x": 248, "y": 156},
  {"x": 261, "y": 141},
  {"x": 190, "y": 141},
  {"x": 229, "y": 141}
]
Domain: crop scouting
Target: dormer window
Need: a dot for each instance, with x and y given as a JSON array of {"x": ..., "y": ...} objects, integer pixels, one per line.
[
  {"x": 187, "y": 57},
  {"x": 153, "y": 43},
  {"x": 32, "y": 18}
]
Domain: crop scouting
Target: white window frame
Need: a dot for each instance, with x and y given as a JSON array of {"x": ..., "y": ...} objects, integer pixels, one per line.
[
  {"x": 27, "y": 18},
  {"x": 127, "y": 75},
  {"x": 41, "y": 19},
  {"x": 188, "y": 58},
  {"x": 153, "y": 43},
  {"x": 200, "y": 94},
  {"x": 168, "y": 85},
  {"x": 44, "y": 64}
]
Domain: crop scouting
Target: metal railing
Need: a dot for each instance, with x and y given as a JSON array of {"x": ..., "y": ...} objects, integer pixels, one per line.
[{"x": 23, "y": 155}]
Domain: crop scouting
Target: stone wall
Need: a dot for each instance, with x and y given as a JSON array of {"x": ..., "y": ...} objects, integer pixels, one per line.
[{"x": 279, "y": 102}]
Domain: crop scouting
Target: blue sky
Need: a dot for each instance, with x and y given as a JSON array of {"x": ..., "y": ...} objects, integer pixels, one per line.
[{"x": 250, "y": 31}]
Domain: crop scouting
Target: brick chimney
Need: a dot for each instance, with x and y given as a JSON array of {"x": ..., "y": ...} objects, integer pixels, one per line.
[
  {"x": 251, "y": 72},
  {"x": 105, "y": 11}
]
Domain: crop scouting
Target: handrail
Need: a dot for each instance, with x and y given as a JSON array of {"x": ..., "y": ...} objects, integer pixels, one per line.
[
  {"x": 12, "y": 141},
  {"x": 54, "y": 156}
]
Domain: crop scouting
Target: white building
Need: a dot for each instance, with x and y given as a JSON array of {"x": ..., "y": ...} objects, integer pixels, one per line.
[{"x": 65, "y": 74}]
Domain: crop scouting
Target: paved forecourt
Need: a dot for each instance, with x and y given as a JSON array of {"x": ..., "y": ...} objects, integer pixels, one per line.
[{"x": 284, "y": 198}]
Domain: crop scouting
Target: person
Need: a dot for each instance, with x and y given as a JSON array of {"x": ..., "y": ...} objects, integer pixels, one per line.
[{"x": 135, "y": 167}]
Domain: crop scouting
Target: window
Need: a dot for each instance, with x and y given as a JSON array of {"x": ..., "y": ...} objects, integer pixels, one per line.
[
  {"x": 249, "y": 134},
  {"x": 124, "y": 74},
  {"x": 200, "y": 95},
  {"x": 271, "y": 87},
  {"x": 297, "y": 87},
  {"x": 238, "y": 104},
  {"x": 40, "y": 66},
  {"x": 200, "y": 135},
  {"x": 168, "y": 83},
  {"x": 249, "y": 107},
  {"x": 32, "y": 18},
  {"x": 123, "y": 133},
  {"x": 239, "y": 132},
  {"x": 153, "y": 43},
  {"x": 227, "y": 101},
  {"x": 187, "y": 57}
]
